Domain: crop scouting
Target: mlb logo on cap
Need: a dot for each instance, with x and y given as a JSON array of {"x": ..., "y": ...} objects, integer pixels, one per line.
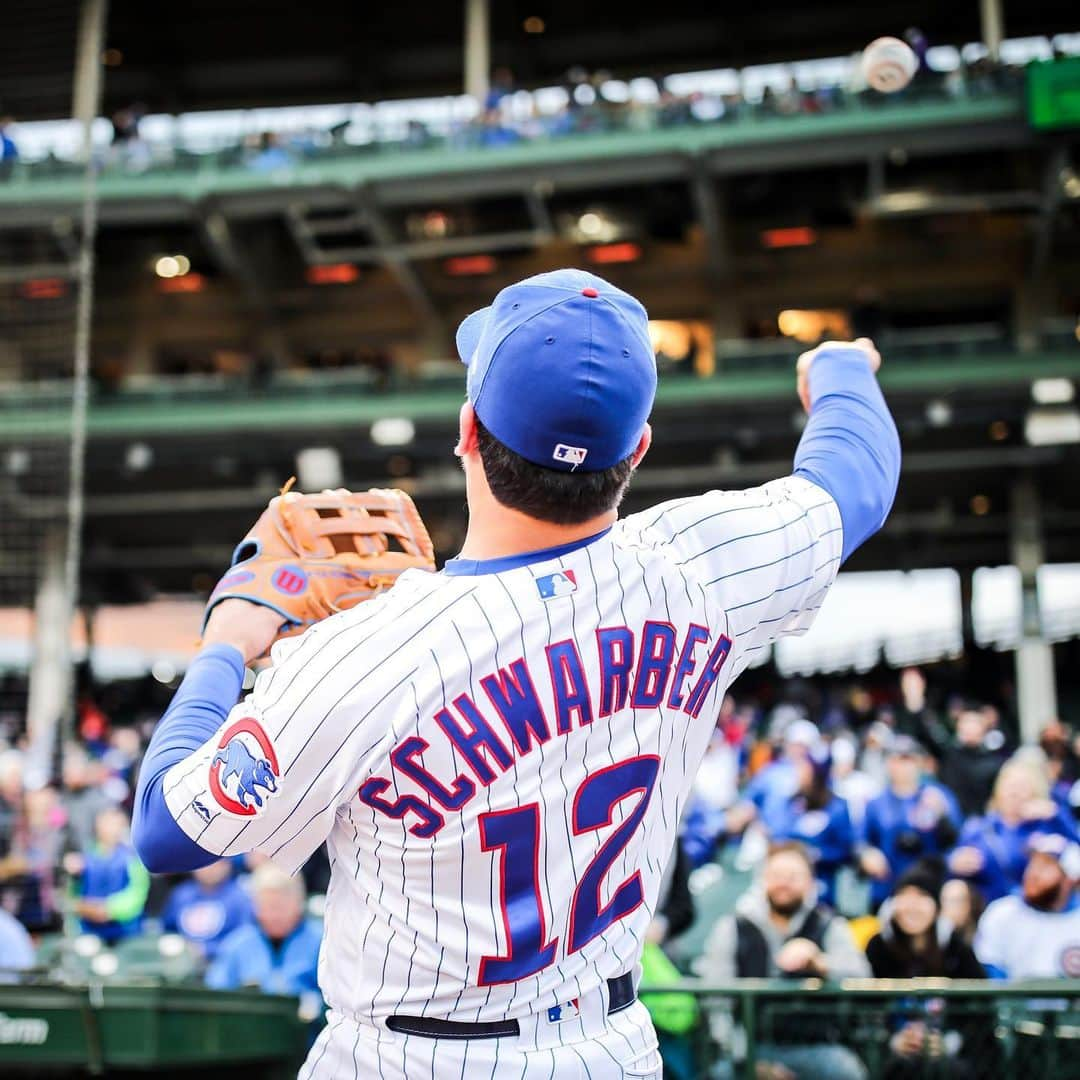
[
  {"x": 573, "y": 455},
  {"x": 561, "y": 583}
]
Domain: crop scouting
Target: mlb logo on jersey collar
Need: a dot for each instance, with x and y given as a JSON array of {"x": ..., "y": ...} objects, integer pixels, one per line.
[{"x": 561, "y": 583}]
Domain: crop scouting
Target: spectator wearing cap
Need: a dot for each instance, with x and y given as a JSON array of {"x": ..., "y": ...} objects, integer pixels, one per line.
[
  {"x": 809, "y": 811},
  {"x": 208, "y": 907},
  {"x": 780, "y": 930},
  {"x": 1036, "y": 934},
  {"x": 968, "y": 766},
  {"x": 851, "y": 783},
  {"x": 772, "y": 786},
  {"x": 913, "y": 817},
  {"x": 916, "y": 942},
  {"x": 993, "y": 849}
]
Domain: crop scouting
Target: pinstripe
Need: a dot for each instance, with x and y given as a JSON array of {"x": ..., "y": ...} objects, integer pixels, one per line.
[
  {"x": 750, "y": 536},
  {"x": 679, "y": 563},
  {"x": 610, "y": 752},
  {"x": 326, "y": 1043},
  {"x": 719, "y": 513},
  {"x": 762, "y": 566},
  {"x": 349, "y": 779},
  {"x": 562, "y": 777},
  {"x": 371, "y": 670},
  {"x": 495, "y": 640}
]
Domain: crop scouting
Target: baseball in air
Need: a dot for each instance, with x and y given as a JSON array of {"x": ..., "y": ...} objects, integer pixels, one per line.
[{"x": 888, "y": 64}]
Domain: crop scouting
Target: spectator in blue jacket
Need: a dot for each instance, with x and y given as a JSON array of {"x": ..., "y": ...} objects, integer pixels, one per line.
[
  {"x": 109, "y": 882},
  {"x": 279, "y": 952},
  {"x": 16, "y": 948},
  {"x": 913, "y": 817},
  {"x": 767, "y": 795},
  {"x": 993, "y": 849},
  {"x": 208, "y": 907},
  {"x": 808, "y": 811}
]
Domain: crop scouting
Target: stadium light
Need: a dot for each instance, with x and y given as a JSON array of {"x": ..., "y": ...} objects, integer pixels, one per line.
[
  {"x": 797, "y": 236},
  {"x": 1052, "y": 391},
  {"x": 319, "y": 467},
  {"x": 614, "y": 253},
  {"x": 938, "y": 413},
  {"x": 902, "y": 202},
  {"x": 138, "y": 457},
  {"x": 51, "y": 288},
  {"x": 331, "y": 274},
  {"x": 534, "y": 25},
  {"x": 470, "y": 265},
  {"x": 1052, "y": 427},
  {"x": 171, "y": 266},
  {"x": 594, "y": 226},
  {"x": 186, "y": 283},
  {"x": 393, "y": 431}
]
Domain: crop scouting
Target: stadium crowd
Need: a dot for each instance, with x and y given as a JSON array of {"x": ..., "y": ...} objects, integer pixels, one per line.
[
  {"x": 878, "y": 835},
  {"x": 584, "y": 102}
]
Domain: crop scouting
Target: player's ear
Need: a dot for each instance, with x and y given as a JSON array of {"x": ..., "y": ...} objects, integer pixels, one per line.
[
  {"x": 643, "y": 445},
  {"x": 466, "y": 430}
]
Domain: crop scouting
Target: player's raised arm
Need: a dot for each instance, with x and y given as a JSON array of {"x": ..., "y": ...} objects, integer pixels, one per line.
[
  {"x": 766, "y": 556},
  {"x": 850, "y": 446}
]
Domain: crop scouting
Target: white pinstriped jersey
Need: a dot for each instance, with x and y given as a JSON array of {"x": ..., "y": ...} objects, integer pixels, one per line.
[{"x": 499, "y": 760}]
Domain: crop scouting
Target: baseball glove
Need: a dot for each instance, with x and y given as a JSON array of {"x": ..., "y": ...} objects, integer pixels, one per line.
[{"x": 309, "y": 556}]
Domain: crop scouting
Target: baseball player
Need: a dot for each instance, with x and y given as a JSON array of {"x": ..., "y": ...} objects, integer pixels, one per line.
[{"x": 498, "y": 754}]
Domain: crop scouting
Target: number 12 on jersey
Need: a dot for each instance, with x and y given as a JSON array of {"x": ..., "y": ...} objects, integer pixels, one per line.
[{"x": 515, "y": 837}]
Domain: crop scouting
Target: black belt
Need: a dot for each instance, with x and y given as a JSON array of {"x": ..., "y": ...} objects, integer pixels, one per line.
[{"x": 621, "y": 995}]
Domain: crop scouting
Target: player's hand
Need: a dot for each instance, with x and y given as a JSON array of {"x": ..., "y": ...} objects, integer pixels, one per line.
[
  {"x": 246, "y": 626},
  {"x": 802, "y": 366},
  {"x": 874, "y": 864}
]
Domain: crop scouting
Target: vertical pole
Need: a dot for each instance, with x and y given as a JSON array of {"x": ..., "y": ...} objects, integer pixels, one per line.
[
  {"x": 49, "y": 696},
  {"x": 51, "y": 704},
  {"x": 992, "y": 23},
  {"x": 1035, "y": 689},
  {"x": 477, "y": 48}
]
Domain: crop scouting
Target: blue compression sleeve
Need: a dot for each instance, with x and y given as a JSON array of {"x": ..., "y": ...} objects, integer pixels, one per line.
[
  {"x": 850, "y": 446},
  {"x": 210, "y": 689}
]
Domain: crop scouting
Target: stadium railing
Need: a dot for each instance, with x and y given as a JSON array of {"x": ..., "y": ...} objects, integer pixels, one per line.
[
  {"x": 734, "y": 1031},
  {"x": 1025, "y": 1030}
]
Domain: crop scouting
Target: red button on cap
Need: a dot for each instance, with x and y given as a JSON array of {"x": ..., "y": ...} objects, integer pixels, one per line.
[{"x": 589, "y": 291}]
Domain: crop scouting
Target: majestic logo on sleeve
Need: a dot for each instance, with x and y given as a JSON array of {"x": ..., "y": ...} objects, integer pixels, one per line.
[{"x": 244, "y": 772}]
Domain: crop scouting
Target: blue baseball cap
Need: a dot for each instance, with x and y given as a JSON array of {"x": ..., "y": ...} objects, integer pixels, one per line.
[{"x": 561, "y": 370}]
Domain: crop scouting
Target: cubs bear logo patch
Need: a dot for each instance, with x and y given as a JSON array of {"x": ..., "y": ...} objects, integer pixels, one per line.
[{"x": 244, "y": 770}]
